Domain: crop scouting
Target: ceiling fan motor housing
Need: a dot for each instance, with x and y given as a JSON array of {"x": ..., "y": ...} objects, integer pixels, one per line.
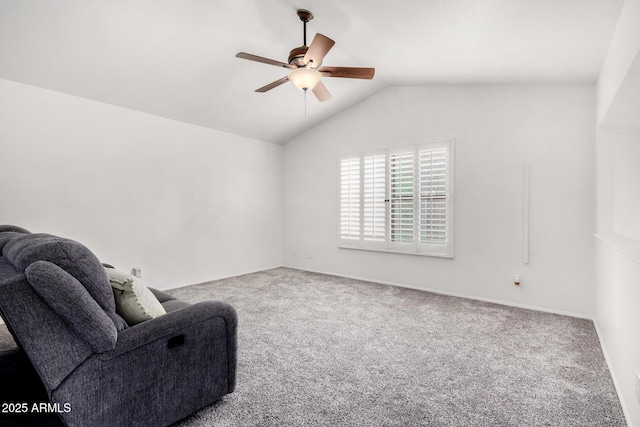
[{"x": 296, "y": 56}]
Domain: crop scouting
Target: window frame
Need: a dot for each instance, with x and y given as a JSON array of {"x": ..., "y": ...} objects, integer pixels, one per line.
[{"x": 416, "y": 247}]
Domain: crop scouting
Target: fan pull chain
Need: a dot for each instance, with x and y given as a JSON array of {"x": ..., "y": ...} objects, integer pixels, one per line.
[{"x": 305, "y": 103}]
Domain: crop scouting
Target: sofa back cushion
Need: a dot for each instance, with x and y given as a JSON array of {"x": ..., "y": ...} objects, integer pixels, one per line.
[
  {"x": 70, "y": 256},
  {"x": 7, "y": 234},
  {"x": 13, "y": 228},
  {"x": 72, "y": 302}
]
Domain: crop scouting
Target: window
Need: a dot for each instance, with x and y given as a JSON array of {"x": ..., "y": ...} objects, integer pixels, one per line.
[{"x": 398, "y": 200}]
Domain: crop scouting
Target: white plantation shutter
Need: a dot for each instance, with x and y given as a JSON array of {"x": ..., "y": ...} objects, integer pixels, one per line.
[
  {"x": 375, "y": 180},
  {"x": 401, "y": 196},
  {"x": 350, "y": 198},
  {"x": 398, "y": 200},
  {"x": 433, "y": 172}
]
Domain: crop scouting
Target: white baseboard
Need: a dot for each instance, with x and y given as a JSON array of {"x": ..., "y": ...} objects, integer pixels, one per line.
[
  {"x": 453, "y": 294},
  {"x": 228, "y": 276}
]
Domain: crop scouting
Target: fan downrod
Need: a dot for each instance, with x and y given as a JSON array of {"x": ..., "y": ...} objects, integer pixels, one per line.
[
  {"x": 296, "y": 55},
  {"x": 305, "y": 16}
]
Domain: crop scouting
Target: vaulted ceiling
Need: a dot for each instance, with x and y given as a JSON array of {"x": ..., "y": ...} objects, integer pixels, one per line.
[{"x": 176, "y": 58}]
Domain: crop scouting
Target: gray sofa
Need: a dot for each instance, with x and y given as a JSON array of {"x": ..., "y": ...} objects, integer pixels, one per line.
[{"x": 93, "y": 368}]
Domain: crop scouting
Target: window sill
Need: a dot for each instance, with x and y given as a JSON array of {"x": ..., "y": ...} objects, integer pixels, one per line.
[
  {"x": 626, "y": 245},
  {"x": 430, "y": 254}
]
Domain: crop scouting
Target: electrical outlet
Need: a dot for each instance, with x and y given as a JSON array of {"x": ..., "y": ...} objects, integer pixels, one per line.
[
  {"x": 638, "y": 387},
  {"x": 309, "y": 254},
  {"x": 136, "y": 271}
]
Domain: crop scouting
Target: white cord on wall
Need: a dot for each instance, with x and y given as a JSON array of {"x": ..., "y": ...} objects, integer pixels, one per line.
[{"x": 525, "y": 214}]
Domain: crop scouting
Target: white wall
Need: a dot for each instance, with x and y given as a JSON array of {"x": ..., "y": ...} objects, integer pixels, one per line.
[
  {"x": 618, "y": 182},
  {"x": 605, "y": 178},
  {"x": 497, "y": 130},
  {"x": 625, "y": 45},
  {"x": 617, "y": 316},
  {"x": 618, "y": 207},
  {"x": 627, "y": 186},
  {"x": 187, "y": 204}
]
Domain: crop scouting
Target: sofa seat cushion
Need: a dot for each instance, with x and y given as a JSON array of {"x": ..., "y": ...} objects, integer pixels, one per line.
[
  {"x": 73, "y": 303},
  {"x": 162, "y": 296},
  {"x": 134, "y": 301}
]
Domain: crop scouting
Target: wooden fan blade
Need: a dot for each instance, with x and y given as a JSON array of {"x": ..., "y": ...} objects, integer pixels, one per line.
[
  {"x": 348, "y": 72},
  {"x": 273, "y": 84},
  {"x": 321, "y": 92},
  {"x": 250, "y": 57},
  {"x": 318, "y": 49}
]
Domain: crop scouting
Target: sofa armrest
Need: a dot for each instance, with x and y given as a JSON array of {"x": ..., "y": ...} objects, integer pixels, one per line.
[
  {"x": 160, "y": 370},
  {"x": 167, "y": 325}
]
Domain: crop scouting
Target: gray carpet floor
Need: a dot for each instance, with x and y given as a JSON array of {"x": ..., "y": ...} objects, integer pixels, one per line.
[{"x": 319, "y": 350}]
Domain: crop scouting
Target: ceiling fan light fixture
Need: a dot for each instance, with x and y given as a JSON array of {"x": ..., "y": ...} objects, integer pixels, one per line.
[
  {"x": 305, "y": 64},
  {"x": 305, "y": 78}
]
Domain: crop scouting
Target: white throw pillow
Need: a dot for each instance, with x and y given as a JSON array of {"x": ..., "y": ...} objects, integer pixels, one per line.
[{"x": 134, "y": 302}]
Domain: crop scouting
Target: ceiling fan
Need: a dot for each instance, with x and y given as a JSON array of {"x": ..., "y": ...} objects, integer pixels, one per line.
[{"x": 305, "y": 63}]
